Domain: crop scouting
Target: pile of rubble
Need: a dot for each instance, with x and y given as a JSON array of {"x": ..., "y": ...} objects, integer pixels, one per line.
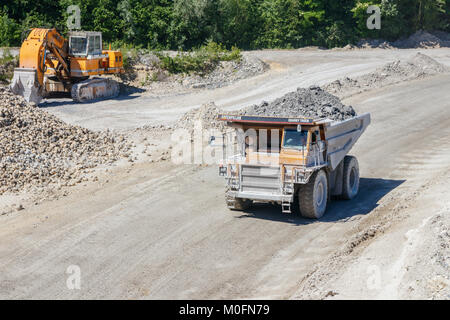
[
  {"x": 37, "y": 149},
  {"x": 420, "y": 39},
  {"x": 145, "y": 73},
  {"x": 227, "y": 72},
  {"x": 206, "y": 115},
  {"x": 416, "y": 67},
  {"x": 310, "y": 102}
]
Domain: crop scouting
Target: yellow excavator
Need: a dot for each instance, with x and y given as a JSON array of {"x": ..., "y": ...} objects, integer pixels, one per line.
[{"x": 50, "y": 63}]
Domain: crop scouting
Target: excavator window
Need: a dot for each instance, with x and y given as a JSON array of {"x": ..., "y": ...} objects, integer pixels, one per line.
[
  {"x": 95, "y": 46},
  {"x": 78, "y": 46}
]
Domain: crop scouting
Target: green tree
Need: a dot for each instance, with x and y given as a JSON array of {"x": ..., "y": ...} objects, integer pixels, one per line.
[{"x": 9, "y": 31}]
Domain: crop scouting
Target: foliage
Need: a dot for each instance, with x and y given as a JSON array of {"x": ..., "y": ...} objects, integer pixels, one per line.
[
  {"x": 201, "y": 60},
  {"x": 248, "y": 24},
  {"x": 7, "y": 64}
]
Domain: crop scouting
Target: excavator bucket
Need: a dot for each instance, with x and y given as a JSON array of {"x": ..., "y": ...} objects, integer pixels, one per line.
[{"x": 25, "y": 84}]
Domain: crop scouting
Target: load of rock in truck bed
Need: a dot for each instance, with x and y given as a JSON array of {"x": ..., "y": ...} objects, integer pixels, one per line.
[{"x": 312, "y": 102}]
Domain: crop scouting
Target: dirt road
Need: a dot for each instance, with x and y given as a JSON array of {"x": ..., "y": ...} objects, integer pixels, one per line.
[{"x": 163, "y": 231}]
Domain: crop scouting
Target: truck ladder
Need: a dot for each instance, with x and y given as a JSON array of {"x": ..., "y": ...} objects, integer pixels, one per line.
[{"x": 288, "y": 190}]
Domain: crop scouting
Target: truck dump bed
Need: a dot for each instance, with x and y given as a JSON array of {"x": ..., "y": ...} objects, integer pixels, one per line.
[{"x": 341, "y": 137}]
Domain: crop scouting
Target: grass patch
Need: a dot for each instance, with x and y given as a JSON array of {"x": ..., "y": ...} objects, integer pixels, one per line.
[{"x": 200, "y": 61}]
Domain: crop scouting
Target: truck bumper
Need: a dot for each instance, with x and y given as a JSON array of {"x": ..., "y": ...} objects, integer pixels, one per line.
[{"x": 261, "y": 196}]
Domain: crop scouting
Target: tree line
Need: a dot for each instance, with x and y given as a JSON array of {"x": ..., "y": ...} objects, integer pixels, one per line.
[{"x": 247, "y": 24}]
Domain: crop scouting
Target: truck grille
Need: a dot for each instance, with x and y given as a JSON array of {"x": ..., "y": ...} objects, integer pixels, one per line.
[{"x": 260, "y": 179}]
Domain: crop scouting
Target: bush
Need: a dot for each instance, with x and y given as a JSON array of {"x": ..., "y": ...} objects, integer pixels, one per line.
[
  {"x": 7, "y": 64},
  {"x": 201, "y": 60},
  {"x": 9, "y": 31}
]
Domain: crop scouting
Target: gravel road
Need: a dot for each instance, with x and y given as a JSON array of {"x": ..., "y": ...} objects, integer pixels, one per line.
[{"x": 156, "y": 230}]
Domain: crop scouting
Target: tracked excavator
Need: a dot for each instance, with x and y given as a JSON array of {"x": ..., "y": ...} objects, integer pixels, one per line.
[{"x": 50, "y": 63}]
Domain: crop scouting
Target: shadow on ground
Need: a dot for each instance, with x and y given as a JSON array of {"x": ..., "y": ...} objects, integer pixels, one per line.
[{"x": 370, "y": 192}]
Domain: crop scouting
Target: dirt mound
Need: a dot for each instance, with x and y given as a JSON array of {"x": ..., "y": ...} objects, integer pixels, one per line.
[
  {"x": 145, "y": 72},
  {"x": 38, "y": 149},
  {"x": 428, "y": 260},
  {"x": 416, "y": 67},
  {"x": 419, "y": 40},
  {"x": 207, "y": 115},
  {"x": 312, "y": 102},
  {"x": 423, "y": 39}
]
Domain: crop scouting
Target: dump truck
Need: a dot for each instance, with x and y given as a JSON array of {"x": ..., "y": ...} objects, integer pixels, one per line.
[
  {"x": 50, "y": 63},
  {"x": 293, "y": 161}
]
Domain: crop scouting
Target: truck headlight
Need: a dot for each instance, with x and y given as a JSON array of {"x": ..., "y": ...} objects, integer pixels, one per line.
[{"x": 299, "y": 176}]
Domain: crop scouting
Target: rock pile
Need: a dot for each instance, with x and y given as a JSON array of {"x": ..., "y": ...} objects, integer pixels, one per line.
[
  {"x": 227, "y": 72},
  {"x": 38, "y": 149},
  {"x": 416, "y": 67},
  {"x": 145, "y": 73},
  {"x": 312, "y": 102},
  {"x": 207, "y": 115},
  {"x": 420, "y": 39}
]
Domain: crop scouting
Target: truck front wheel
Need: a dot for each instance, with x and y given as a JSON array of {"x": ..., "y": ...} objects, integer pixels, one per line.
[
  {"x": 313, "y": 196},
  {"x": 351, "y": 178}
]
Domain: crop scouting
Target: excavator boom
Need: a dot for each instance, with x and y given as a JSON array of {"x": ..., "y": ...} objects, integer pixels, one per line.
[{"x": 28, "y": 79}]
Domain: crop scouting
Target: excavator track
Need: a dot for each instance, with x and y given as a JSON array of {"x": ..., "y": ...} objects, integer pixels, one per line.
[{"x": 94, "y": 89}]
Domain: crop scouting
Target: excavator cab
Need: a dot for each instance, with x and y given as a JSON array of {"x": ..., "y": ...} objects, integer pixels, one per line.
[{"x": 85, "y": 44}]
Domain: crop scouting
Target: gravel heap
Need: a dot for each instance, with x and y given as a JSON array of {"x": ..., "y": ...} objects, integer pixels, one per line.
[
  {"x": 207, "y": 114},
  {"x": 420, "y": 39},
  {"x": 227, "y": 72},
  {"x": 416, "y": 67},
  {"x": 38, "y": 149},
  {"x": 145, "y": 73},
  {"x": 312, "y": 102}
]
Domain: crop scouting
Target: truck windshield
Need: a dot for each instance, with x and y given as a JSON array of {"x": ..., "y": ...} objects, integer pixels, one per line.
[
  {"x": 78, "y": 45},
  {"x": 294, "y": 139}
]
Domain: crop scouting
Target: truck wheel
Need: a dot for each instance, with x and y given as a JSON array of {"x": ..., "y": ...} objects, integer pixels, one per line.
[
  {"x": 351, "y": 178},
  {"x": 313, "y": 196}
]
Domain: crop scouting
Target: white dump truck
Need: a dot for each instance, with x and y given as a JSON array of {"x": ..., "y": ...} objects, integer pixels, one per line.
[{"x": 296, "y": 162}]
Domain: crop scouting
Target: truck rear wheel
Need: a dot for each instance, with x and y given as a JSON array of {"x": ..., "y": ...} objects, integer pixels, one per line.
[
  {"x": 351, "y": 178},
  {"x": 313, "y": 196}
]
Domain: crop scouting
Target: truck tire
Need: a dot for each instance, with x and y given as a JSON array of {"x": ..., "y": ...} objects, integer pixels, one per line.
[
  {"x": 350, "y": 185},
  {"x": 313, "y": 196}
]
